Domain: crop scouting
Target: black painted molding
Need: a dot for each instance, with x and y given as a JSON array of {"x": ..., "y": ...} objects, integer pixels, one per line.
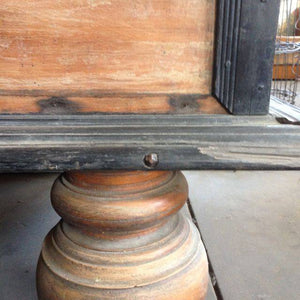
[
  {"x": 58, "y": 143},
  {"x": 245, "y": 44}
]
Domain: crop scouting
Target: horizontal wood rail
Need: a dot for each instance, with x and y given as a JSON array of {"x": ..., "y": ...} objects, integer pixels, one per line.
[{"x": 57, "y": 143}]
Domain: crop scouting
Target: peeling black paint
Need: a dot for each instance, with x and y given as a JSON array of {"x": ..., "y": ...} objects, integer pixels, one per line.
[{"x": 58, "y": 105}]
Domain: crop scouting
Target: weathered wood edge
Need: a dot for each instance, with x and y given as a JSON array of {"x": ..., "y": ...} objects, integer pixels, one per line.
[{"x": 58, "y": 143}]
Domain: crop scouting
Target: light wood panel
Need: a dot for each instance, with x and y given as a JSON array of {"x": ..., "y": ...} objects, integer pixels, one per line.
[{"x": 137, "y": 46}]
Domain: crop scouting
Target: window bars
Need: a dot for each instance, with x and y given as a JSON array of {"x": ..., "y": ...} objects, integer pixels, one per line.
[{"x": 287, "y": 52}]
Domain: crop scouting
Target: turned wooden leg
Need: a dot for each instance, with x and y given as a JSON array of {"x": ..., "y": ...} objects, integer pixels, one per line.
[{"x": 121, "y": 237}]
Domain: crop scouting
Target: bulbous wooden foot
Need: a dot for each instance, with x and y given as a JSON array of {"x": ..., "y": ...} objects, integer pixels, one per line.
[{"x": 121, "y": 237}]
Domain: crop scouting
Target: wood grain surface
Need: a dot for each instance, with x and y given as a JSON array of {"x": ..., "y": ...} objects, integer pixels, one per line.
[
  {"x": 181, "y": 142},
  {"x": 137, "y": 46},
  {"x": 122, "y": 237},
  {"x": 132, "y": 104}
]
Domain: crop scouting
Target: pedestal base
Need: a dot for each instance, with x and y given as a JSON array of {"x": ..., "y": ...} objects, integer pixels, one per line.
[{"x": 122, "y": 237}]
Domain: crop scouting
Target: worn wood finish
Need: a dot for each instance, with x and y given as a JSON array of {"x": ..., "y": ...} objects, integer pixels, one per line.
[
  {"x": 210, "y": 295},
  {"x": 113, "y": 45},
  {"x": 122, "y": 237},
  {"x": 54, "y": 143},
  {"x": 68, "y": 103}
]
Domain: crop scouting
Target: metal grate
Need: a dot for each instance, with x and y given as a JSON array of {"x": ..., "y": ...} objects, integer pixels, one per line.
[{"x": 286, "y": 72}]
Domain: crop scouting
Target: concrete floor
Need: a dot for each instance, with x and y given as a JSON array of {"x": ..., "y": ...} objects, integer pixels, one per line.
[
  {"x": 250, "y": 224},
  {"x": 249, "y": 221},
  {"x": 26, "y": 216}
]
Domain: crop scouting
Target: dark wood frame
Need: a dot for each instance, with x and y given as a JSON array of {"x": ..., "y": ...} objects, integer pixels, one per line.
[
  {"x": 66, "y": 142},
  {"x": 245, "y": 43},
  {"x": 57, "y": 143}
]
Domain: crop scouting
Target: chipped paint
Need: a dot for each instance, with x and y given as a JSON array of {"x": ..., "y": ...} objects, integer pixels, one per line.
[{"x": 249, "y": 154}]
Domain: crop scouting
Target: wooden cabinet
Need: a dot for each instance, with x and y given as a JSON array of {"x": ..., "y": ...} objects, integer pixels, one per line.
[
  {"x": 117, "y": 56},
  {"x": 102, "y": 84},
  {"x": 88, "y": 86}
]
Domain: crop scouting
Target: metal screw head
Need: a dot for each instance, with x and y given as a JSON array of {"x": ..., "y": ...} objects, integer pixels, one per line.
[{"x": 151, "y": 160}]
